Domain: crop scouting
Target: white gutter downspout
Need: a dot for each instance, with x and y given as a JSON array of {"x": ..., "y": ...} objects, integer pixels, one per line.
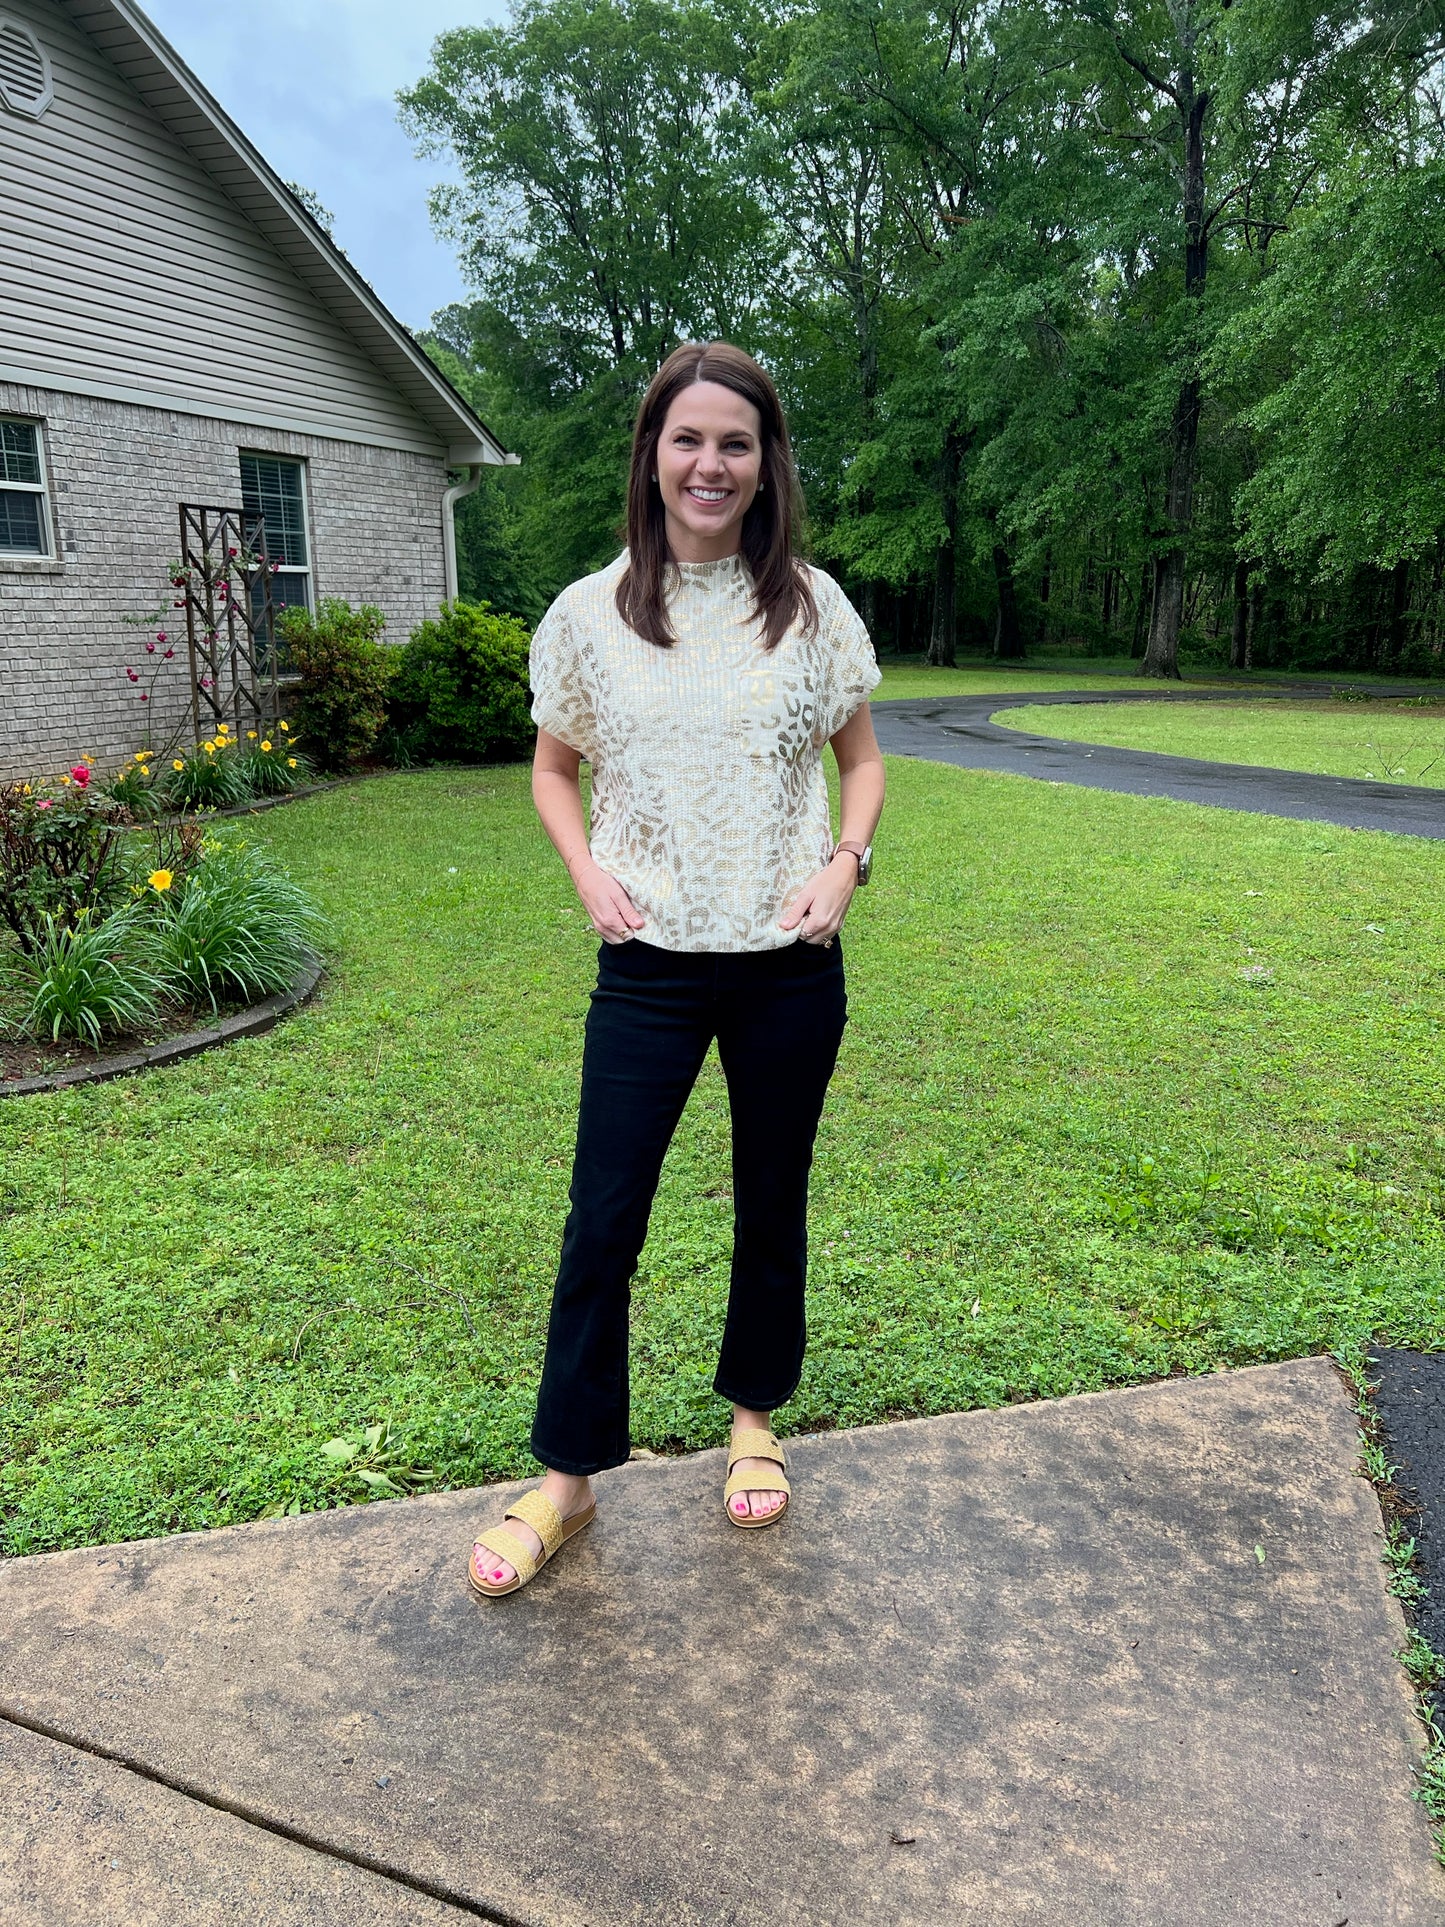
[{"x": 449, "y": 525}]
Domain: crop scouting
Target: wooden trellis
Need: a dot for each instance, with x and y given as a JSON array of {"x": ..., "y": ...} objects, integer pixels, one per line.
[{"x": 225, "y": 578}]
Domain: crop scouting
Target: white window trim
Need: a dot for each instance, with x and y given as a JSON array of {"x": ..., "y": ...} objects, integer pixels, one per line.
[
  {"x": 49, "y": 555},
  {"x": 297, "y": 462}
]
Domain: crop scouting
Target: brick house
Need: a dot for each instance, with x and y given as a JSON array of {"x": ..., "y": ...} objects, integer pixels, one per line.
[{"x": 176, "y": 329}]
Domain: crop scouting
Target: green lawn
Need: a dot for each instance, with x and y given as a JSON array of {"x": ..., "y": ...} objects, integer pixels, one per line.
[
  {"x": 913, "y": 679},
  {"x": 1130, "y": 1087},
  {"x": 1398, "y": 742}
]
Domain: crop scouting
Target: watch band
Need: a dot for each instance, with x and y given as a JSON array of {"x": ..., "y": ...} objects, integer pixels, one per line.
[{"x": 862, "y": 856}]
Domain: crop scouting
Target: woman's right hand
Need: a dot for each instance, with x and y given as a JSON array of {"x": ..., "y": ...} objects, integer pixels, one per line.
[{"x": 614, "y": 916}]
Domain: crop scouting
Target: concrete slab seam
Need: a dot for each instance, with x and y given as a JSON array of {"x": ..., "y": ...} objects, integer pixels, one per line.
[{"x": 264, "y": 1822}]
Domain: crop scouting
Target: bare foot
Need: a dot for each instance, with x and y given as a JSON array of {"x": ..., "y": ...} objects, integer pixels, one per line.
[
  {"x": 767, "y": 1499},
  {"x": 570, "y": 1496}
]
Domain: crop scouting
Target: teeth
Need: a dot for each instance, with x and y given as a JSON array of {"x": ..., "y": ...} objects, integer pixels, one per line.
[{"x": 709, "y": 494}]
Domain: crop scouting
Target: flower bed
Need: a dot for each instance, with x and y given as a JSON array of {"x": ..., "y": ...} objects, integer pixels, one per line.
[{"x": 123, "y": 925}]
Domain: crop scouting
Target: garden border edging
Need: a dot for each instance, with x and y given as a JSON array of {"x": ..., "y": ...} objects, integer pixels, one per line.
[{"x": 252, "y": 1022}]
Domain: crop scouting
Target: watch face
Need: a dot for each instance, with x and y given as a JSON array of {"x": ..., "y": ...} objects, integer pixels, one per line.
[{"x": 865, "y": 865}]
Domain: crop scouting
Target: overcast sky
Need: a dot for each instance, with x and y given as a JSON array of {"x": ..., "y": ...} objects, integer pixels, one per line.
[{"x": 313, "y": 83}]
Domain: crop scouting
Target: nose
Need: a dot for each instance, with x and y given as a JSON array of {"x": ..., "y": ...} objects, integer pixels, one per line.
[{"x": 709, "y": 460}]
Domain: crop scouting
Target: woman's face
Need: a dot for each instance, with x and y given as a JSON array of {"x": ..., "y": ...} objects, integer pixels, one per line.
[{"x": 709, "y": 463}]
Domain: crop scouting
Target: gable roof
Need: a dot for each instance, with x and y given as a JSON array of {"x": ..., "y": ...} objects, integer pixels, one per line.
[{"x": 202, "y": 126}]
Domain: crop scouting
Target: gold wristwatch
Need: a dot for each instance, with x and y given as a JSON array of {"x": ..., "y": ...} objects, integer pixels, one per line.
[{"x": 864, "y": 855}]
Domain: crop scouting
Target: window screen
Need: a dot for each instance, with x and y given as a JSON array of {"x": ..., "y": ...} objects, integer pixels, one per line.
[{"x": 24, "y": 518}]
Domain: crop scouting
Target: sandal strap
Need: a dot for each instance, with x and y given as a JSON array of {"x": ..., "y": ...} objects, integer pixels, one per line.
[
  {"x": 752, "y": 1442},
  {"x": 507, "y": 1545},
  {"x": 536, "y": 1510},
  {"x": 755, "y": 1482}
]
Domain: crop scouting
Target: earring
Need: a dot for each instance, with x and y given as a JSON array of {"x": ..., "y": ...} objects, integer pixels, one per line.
[{"x": 654, "y": 478}]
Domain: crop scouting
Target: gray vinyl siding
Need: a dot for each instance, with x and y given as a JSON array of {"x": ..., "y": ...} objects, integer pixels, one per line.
[{"x": 128, "y": 273}]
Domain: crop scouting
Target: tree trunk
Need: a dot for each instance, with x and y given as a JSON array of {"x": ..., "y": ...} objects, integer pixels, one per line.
[
  {"x": 868, "y": 610},
  {"x": 1161, "y": 657},
  {"x": 1239, "y": 626},
  {"x": 1399, "y": 603},
  {"x": 943, "y": 642},
  {"x": 1008, "y": 637},
  {"x": 943, "y": 638},
  {"x": 1142, "y": 609}
]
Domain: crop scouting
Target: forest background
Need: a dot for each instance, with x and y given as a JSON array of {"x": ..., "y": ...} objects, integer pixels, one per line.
[{"x": 1113, "y": 330}]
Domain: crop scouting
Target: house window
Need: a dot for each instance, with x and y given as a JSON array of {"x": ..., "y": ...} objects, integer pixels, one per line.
[
  {"x": 24, "y": 513},
  {"x": 276, "y": 489}
]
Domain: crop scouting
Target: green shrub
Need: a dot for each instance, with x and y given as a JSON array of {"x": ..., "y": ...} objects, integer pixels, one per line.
[
  {"x": 459, "y": 691},
  {"x": 209, "y": 777},
  {"x": 237, "y": 926},
  {"x": 61, "y": 847},
  {"x": 90, "y": 978},
  {"x": 343, "y": 669}
]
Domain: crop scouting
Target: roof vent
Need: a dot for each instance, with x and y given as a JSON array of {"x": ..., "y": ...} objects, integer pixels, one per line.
[{"x": 26, "y": 83}]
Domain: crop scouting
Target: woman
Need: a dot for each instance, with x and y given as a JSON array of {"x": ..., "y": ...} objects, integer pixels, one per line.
[{"x": 700, "y": 675}]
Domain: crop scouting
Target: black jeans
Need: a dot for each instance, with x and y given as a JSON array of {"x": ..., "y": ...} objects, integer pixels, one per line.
[{"x": 778, "y": 1019}]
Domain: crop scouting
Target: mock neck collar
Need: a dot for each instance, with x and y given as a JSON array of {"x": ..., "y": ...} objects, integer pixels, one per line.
[{"x": 708, "y": 575}]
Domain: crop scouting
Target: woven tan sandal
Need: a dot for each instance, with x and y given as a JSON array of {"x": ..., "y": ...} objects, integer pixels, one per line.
[
  {"x": 752, "y": 1442},
  {"x": 536, "y": 1510}
]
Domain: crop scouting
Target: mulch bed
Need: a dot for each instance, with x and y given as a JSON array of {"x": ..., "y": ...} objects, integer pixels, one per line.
[{"x": 21, "y": 1057}]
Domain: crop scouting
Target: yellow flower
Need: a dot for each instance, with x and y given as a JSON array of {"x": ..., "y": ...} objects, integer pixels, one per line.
[
  {"x": 290, "y": 762},
  {"x": 141, "y": 755},
  {"x": 160, "y": 879},
  {"x": 250, "y": 735},
  {"x": 65, "y": 782},
  {"x": 223, "y": 730},
  {"x": 178, "y": 764},
  {"x": 87, "y": 759},
  {"x": 145, "y": 769},
  {"x": 265, "y": 746},
  {"x": 209, "y": 748},
  {"x": 286, "y": 726}
]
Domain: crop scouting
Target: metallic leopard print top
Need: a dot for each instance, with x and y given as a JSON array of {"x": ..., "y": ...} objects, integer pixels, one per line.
[{"x": 709, "y": 802}]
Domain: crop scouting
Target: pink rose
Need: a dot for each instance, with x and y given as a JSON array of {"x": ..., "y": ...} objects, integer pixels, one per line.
[
  {"x": 80, "y": 775},
  {"x": 132, "y": 674}
]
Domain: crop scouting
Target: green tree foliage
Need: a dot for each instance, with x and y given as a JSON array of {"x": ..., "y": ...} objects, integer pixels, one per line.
[
  {"x": 1347, "y": 341},
  {"x": 1106, "y": 326},
  {"x": 604, "y": 216}
]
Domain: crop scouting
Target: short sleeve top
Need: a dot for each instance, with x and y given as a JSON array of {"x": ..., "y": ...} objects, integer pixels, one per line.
[{"x": 709, "y": 800}]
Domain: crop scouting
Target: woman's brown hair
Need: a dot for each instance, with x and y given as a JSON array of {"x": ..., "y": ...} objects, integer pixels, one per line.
[{"x": 782, "y": 593}]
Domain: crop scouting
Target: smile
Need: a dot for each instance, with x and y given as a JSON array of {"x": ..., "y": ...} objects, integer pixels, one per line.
[{"x": 709, "y": 494}]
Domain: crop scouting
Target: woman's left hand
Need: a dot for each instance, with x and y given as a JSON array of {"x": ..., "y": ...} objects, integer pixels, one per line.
[{"x": 818, "y": 910}]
